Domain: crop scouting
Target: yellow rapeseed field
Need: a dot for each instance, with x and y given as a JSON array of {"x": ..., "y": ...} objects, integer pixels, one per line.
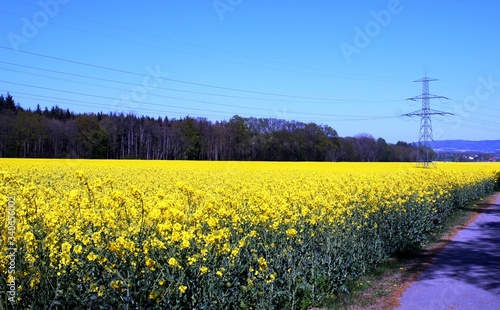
[{"x": 222, "y": 235}]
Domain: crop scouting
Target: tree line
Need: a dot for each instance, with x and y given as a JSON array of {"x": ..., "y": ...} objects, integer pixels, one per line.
[{"x": 59, "y": 133}]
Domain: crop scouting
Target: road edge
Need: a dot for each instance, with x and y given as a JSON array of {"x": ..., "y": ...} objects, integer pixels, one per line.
[{"x": 393, "y": 301}]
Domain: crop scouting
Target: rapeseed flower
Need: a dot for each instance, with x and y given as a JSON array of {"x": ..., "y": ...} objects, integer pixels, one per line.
[{"x": 109, "y": 225}]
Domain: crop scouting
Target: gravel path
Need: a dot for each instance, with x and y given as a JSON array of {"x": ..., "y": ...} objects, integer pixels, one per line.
[{"x": 466, "y": 273}]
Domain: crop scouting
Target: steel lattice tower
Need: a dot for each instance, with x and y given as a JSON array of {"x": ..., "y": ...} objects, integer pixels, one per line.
[{"x": 424, "y": 158}]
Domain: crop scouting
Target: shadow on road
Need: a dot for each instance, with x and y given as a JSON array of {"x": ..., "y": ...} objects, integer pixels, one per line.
[
  {"x": 473, "y": 255},
  {"x": 482, "y": 208}
]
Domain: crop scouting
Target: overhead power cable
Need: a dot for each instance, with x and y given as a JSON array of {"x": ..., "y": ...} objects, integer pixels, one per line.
[
  {"x": 163, "y": 113},
  {"x": 195, "y": 92},
  {"x": 328, "y": 73},
  {"x": 168, "y": 79},
  {"x": 183, "y": 107}
]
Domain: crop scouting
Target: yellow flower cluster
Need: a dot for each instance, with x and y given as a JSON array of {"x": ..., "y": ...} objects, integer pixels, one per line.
[{"x": 215, "y": 234}]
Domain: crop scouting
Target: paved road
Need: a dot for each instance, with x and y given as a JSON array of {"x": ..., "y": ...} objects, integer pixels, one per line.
[{"x": 466, "y": 273}]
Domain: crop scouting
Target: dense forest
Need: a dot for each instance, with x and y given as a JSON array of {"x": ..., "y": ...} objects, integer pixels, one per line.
[{"x": 59, "y": 133}]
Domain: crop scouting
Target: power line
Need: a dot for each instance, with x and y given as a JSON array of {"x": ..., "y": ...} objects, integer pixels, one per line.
[
  {"x": 485, "y": 107},
  {"x": 476, "y": 121},
  {"x": 168, "y": 79},
  {"x": 91, "y": 104},
  {"x": 344, "y": 75},
  {"x": 194, "y": 92},
  {"x": 182, "y": 107},
  {"x": 84, "y": 103}
]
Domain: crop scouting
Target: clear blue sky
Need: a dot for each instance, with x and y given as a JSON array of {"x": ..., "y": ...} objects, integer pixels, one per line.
[{"x": 347, "y": 64}]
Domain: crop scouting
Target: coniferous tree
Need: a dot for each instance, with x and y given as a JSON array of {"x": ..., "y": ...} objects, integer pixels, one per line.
[{"x": 60, "y": 133}]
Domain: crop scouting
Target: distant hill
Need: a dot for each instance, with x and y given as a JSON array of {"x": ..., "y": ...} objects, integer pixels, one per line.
[{"x": 484, "y": 146}]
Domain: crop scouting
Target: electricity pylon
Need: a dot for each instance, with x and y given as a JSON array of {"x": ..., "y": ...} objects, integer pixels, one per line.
[{"x": 424, "y": 158}]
